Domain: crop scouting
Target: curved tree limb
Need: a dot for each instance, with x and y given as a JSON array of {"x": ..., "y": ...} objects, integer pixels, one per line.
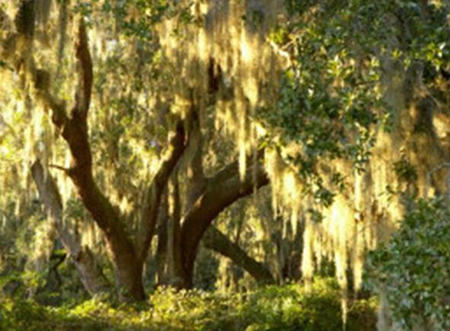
[
  {"x": 218, "y": 242},
  {"x": 220, "y": 192}
]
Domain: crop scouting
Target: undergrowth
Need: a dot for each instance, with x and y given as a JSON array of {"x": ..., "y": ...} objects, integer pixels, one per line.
[{"x": 272, "y": 308}]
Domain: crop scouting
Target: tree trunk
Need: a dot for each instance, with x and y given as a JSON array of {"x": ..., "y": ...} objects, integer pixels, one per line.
[
  {"x": 174, "y": 258},
  {"x": 220, "y": 191},
  {"x": 128, "y": 256},
  {"x": 91, "y": 275},
  {"x": 161, "y": 256}
]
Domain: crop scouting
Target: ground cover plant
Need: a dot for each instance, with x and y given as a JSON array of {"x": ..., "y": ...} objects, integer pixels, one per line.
[{"x": 285, "y": 308}]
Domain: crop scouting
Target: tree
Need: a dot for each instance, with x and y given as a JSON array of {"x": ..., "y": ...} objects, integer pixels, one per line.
[{"x": 128, "y": 252}]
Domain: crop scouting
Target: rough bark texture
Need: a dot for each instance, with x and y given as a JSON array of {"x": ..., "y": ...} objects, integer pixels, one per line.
[
  {"x": 218, "y": 242},
  {"x": 90, "y": 273}
]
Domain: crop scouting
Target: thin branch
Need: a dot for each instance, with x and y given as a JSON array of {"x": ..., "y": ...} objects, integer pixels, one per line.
[
  {"x": 65, "y": 170},
  {"x": 215, "y": 240}
]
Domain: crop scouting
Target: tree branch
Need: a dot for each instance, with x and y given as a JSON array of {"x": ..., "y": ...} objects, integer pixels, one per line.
[
  {"x": 85, "y": 73},
  {"x": 63, "y": 169},
  {"x": 170, "y": 158},
  {"x": 74, "y": 130},
  {"x": 218, "y": 242},
  {"x": 221, "y": 191}
]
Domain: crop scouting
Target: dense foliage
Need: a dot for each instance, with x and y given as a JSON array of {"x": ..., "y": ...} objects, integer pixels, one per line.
[
  {"x": 270, "y": 309},
  {"x": 413, "y": 269}
]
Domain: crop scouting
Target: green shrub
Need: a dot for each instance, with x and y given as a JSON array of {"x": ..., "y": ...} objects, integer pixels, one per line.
[
  {"x": 413, "y": 269},
  {"x": 292, "y": 308},
  {"x": 21, "y": 315}
]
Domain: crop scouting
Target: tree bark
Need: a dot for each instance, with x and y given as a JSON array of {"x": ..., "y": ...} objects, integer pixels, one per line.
[
  {"x": 174, "y": 261},
  {"x": 91, "y": 275},
  {"x": 161, "y": 255},
  {"x": 218, "y": 242}
]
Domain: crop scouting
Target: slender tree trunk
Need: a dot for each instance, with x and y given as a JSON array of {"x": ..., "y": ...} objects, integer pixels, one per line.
[
  {"x": 174, "y": 258},
  {"x": 162, "y": 255},
  {"x": 90, "y": 272},
  {"x": 292, "y": 270}
]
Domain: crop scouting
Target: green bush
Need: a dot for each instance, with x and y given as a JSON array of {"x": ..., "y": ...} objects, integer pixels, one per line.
[
  {"x": 292, "y": 308},
  {"x": 21, "y": 315},
  {"x": 271, "y": 308},
  {"x": 413, "y": 269}
]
